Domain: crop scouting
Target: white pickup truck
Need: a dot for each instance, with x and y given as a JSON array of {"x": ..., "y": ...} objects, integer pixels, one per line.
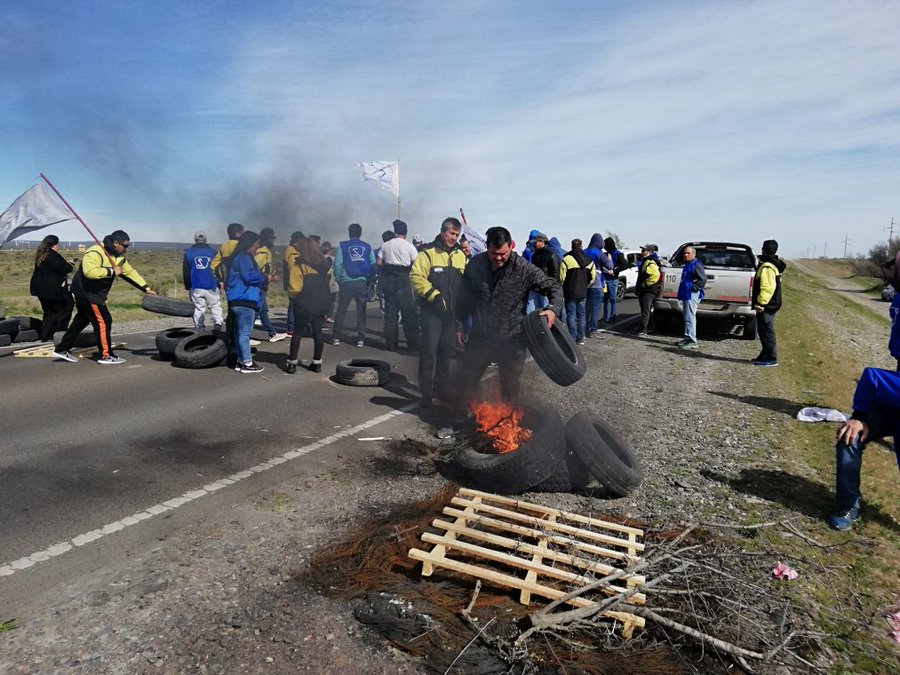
[{"x": 730, "y": 271}]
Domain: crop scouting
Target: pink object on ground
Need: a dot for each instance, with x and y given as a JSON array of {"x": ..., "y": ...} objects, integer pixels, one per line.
[{"x": 782, "y": 571}]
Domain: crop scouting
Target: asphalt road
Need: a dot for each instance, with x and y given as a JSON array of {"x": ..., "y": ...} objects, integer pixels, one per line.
[{"x": 84, "y": 445}]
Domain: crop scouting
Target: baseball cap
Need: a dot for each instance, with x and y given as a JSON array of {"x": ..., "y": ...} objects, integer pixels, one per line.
[
  {"x": 199, "y": 237},
  {"x": 647, "y": 247}
]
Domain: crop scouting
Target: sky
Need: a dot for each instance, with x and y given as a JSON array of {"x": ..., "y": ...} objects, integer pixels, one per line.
[{"x": 663, "y": 122}]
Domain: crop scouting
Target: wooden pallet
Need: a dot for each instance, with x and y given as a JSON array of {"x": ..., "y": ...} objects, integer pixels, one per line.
[
  {"x": 45, "y": 351},
  {"x": 535, "y": 549}
]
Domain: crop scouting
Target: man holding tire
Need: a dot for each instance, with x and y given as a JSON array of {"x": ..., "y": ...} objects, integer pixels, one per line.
[{"x": 495, "y": 290}]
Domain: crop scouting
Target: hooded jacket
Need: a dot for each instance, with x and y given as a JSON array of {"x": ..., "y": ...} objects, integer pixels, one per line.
[
  {"x": 576, "y": 272},
  {"x": 617, "y": 258},
  {"x": 557, "y": 248},
  {"x": 49, "y": 280},
  {"x": 244, "y": 281},
  {"x": 767, "y": 283},
  {"x": 529, "y": 249},
  {"x": 95, "y": 276},
  {"x": 601, "y": 261},
  {"x": 436, "y": 275}
]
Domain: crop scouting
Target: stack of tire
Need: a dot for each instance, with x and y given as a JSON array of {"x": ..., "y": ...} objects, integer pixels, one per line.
[
  {"x": 190, "y": 348},
  {"x": 18, "y": 329}
]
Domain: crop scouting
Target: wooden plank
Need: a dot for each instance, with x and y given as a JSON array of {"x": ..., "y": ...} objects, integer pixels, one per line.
[
  {"x": 509, "y": 581},
  {"x": 45, "y": 351},
  {"x": 563, "y": 540},
  {"x": 576, "y": 517},
  {"x": 427, "y": 569},
  {"x": 548, "y": 553},
  {"x": 515, "y": 561},
  {"x": 546, "y": 524}
]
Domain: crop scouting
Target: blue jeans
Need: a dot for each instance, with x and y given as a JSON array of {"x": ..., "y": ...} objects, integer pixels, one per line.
[
  {"x": 610, "y": 299},
  {"x": 535, "y": 301},
  {"x": 357, "y": 291},
  {"x": 894, "y": 342},
  {"x": 575, "y": 318},
  {"x": 689, "y": 311},
  {"x": 263, "y": 314},
  {"x": 244, "y": 326},
  {"x": 594, "y": 303}
]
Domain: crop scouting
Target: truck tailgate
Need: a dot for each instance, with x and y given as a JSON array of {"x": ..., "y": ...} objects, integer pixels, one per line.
[{"x": 722, "y": 285}]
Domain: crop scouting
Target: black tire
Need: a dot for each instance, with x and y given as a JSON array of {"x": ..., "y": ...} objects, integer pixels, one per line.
[
  {"x": 167, "y": 340},
  {"x": 570, "y": 475},
  {"x": 5, "y": 340},
  {"x": 27, "y": 336},
  {"x": 168, "y": 306},
  {"x": 201, "y": 350},
  {"x": 606, "y": 457},
  {"x": 749, "y": 332},
  {"x": 9, "y": 326},
  {"x": 554, "y": 350},
  {"x": 86, "y": 338},
  {"x": 29, "y": 323},
  {"x": 363, "y": 372},
  {"x": 621, "y": 289},
  {"x": 517, "y": 471}
]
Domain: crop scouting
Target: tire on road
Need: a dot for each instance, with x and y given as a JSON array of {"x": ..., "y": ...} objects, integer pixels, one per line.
[
  {"x": 27, "y": 336},
  {"x": 29, "y": 323},
  {"x": 202, "y": 350},
  {"x": 167, "y": 340},
  {"x": 554, "y": 350},
  {"x": 520, "y": 470},
  {"x": 86, "y": 338},
  {"x": 9, "y": 326},
  {"x": 363, "y": 372},
  {"x": 168, "y": 306},
  {"x": 605, "y": 455},
  {"x": 5, "y": 340},
  {"x": 570, "y": 475}
]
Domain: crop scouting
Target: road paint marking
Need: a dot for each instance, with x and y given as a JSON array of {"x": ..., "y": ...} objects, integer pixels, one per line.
[{"x": 188, "y": 497}]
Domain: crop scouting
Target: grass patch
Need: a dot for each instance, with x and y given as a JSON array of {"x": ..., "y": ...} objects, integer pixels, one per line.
[
  {"x": 843, "y": 269},
  {"x": 7, "y": 626}
]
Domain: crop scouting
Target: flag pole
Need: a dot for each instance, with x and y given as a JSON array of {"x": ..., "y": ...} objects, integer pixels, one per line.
[
  {"x": 398, "y": 189},
  {"x": 80, "y": 220},
  {"x": 463, "y": 216}
]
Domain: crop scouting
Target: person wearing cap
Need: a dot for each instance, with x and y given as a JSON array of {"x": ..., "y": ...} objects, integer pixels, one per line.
[
  {"x": 394, "y": 260},
  {"x": 544, "y": 259},
  {"x": 100, "y": 265},
  {"x": 767, "y": 301},
  {"x": 263, "y": 258},
  {"x": 690, "y": 293},
  {"x": 200, "y": 282},
  {"x": 649, "y": 286},
  {"x": 576, "y": 274},
  {"x": 418, "y": 241}
]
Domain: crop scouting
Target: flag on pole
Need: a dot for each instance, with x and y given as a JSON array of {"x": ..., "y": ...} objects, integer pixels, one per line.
[
  {"x": 475, "y": 238},
  {"x": 386, "y": 174},
  {"x": 35, "y": 208}
]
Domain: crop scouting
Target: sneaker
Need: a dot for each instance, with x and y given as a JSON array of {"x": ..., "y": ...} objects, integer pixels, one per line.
[
  {"x": 290, "y": 333},
  {"x": 110, "y": 360},
  {"x": 335, "y": 342},
  {"x": 643, "y": 334},
  {"x": 250, "y": 368},
  {"x": 254, "y": 343},
  {"x": 612, "y": 320},
  {"x": 290, "y": 367},
  {"x": 278, "y": 337},
  {"x": 689, "y": 344},
  {"x": 764, "y": 363},
  {"x": 315, "y": 367},
  {"x": 217, "y": 328},
  {"x": 360, "y": 343},
  {"x": 844, "y": 520},
  {"x": 66, "y": 356},
  {"x": 580, "y": 342},
  {"x": 257, "y": 322}
]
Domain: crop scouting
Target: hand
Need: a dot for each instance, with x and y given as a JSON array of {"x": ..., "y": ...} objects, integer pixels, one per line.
[
  {"x": 460, "y": 338},
  {"x": 117, "y": 270},
  {"x": 850, "y": 430},
  {"x": 150, "y": 291},
  {"x": 550, "y": 315},
  {"x": 440, "y": 306},
  {"x": 221, "y": 285}
]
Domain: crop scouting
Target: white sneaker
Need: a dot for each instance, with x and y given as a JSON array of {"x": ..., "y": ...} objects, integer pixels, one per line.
[
  {"x": 110, "y": 361},
  {"x": 335, "y": 342},
  {"x": 66, "y": 356},
  {"x": 254, "y": 343},
  {"x": 278, "y": 337},
  {"x": 257, "y": 322},
  {"x": 360, "y": 343}
]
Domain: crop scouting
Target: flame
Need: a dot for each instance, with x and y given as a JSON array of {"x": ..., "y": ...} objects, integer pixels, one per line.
[{"x": 501, "y": 423}]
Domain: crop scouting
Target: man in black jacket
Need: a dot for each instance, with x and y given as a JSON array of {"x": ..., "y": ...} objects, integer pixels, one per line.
[
  {"x": 576, "y": 272},
  {"x": 619, "y": 264},
  {"x": 494, "y": 291},
  {"x": 545, "y": 260}
]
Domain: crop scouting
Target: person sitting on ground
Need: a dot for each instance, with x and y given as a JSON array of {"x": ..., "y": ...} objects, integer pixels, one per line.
[
  {"x": 649, "y": 286},
  {"x": 311, "y": 303},
  {"x": 690, "y": 293},
  {"x": 290, "y": 275},
  {"x": 263, "y": 257},
  {"x": 50, "y": 285},
  {"x": 354, "y": 262},
  {"x": 576, "y": 273},
  {"x": 876, "y": 414},
  {"x": 243, "y": 288},
  {"x": 100, "y": 265},
  {"x": 200, "y": 282},
  {"x": 767, "y": 301},
  {"x": 222, "y": 259}
]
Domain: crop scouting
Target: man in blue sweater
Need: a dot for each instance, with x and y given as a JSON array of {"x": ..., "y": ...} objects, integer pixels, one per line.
[
  {"x": 354, "y": 262},
  {"x": 200, "y": 282}
]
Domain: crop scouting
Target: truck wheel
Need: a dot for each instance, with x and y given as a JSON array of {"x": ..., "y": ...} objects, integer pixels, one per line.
[
  {"x": 167, "y": 340},
  {"x": 749, "y": 329},
  {"x": 620, "y": 290},
  {"x": 604, "y": 454},
  {"x": 168, "y": 306},
  {"x": 363, "y": 372},
  {"x": 554, "y": 350},
  {"x": 202, "y": 350}
]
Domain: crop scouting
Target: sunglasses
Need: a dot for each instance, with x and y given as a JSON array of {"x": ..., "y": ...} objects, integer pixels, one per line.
[{"x": 125, "y": 245}]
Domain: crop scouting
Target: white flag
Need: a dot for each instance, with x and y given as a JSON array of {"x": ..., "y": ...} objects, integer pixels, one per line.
[
  {"x": 475, "y": 238},
  {"x": 35, "y": 208},
  {"x": 386, "y": 174}
]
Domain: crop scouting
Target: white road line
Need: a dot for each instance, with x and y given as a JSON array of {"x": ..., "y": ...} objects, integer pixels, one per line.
[{"x": 192, "y": 495}]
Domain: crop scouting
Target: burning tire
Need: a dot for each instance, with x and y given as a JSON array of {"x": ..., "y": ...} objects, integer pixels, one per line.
[
  {"x": 168, "y": 306},
  {"x": 518, "y": 470},
  {"x": 167, "y": 340},
  {"x": 203, "y": 350},
  {"x": 554, "y": 350},
  {"x": 363, "y": 372},
  {"x": 605, "y": 455},
  {"x": 570, "y": 475}
]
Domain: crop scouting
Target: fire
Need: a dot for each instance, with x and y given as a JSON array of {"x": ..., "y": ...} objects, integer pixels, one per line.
[{"x": 501, "y": 423}]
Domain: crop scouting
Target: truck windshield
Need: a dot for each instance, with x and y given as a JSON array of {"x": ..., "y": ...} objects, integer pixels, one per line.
[{"x": 720, "y": 255}]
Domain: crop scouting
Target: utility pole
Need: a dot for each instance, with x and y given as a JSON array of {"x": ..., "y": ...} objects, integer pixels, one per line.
[
  {"x": 891, "y": 228},
  {"x": 825, "y": 251},
  {"x": 847, "y": 240}
]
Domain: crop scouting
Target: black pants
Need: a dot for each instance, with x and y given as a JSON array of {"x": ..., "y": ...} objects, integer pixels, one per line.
[
  {"x": 97, "y": 316},
  {"x": 508, "y": 354},
  {"x": 302, "y": 317},
  {"x": 765, "y": 327},
  {"x": 646, "y": 302},
  {"x": 57, "y": 314},
  {"x": 437, "y": 349},
  {"x": 399, "y": 300},
  {"x": 356, "y": 291}
]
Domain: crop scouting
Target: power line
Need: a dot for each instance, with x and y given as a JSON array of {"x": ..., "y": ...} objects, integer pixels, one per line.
[
  {"x": 891, "y": 228},
  {"x": 847, "y": 240}
]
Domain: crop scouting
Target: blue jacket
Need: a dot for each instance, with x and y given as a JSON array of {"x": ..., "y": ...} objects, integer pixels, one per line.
[
  {"x": 196, "y": 268},
  {"x": 693, "y": 279},
  {"x": 879, "y": 390},
  {"x": 528, "y": 251},
  {"x": 601, "y": 262},
  {"x": 557, "y": 248},
  {"x": 353, "y": 261},
  {"x": 244, "y": 281}
]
